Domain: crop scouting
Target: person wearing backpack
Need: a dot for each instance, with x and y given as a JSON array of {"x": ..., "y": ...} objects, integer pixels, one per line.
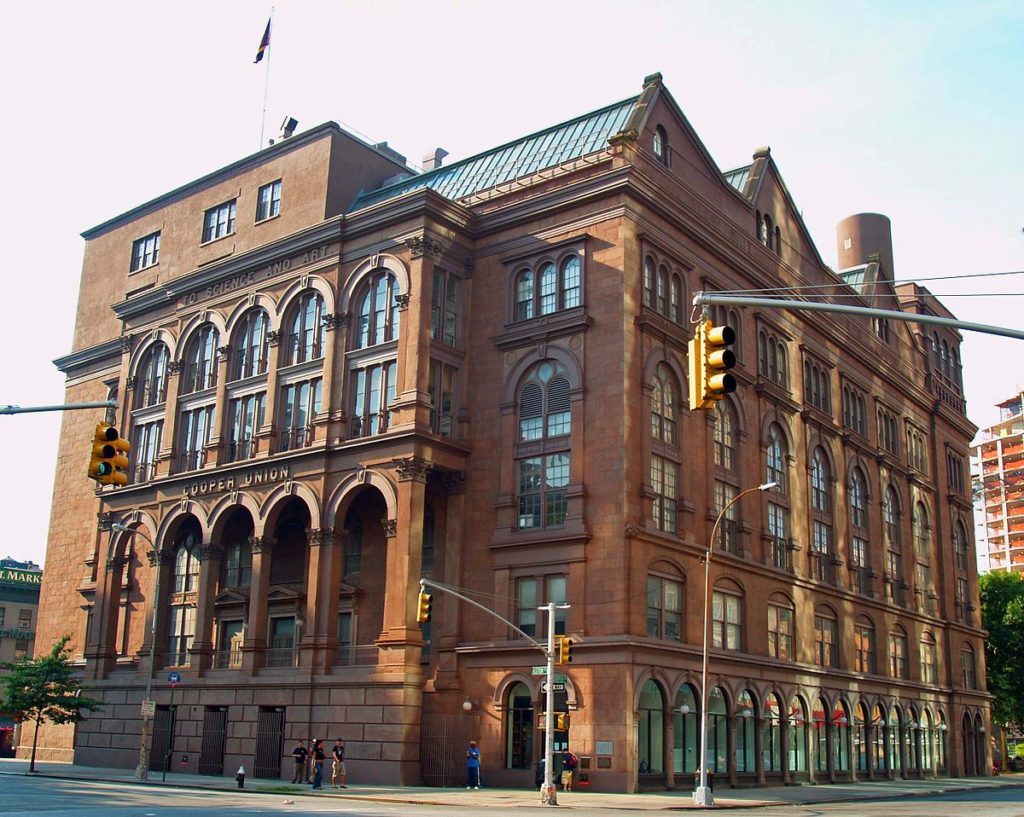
[{"x": 569, "y": 765}]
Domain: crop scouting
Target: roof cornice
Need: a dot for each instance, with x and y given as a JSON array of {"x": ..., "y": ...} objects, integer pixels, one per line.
[{"x": 91, "y": 355}]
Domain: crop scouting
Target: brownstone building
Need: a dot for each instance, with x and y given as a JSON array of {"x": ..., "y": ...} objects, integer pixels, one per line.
[{"x": 339, "y": 375}]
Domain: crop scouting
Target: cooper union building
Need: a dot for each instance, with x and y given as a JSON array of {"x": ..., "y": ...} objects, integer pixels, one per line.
[{"x": 340, "y": 374}]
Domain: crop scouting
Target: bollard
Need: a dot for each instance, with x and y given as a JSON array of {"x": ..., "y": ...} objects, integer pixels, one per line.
[{"x": 240, "y": 777}]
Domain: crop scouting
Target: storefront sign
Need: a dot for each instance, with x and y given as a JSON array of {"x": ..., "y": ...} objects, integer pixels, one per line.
[
  {"x": 247, "y": 479},
  {"x": 27, "y": 635},
  {"x": 10, "y": 574}
]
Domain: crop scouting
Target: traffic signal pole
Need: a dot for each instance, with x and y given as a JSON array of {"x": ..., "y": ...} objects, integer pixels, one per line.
[
  {"x": 710, "y": 298},
  {"x": 547, "y": 792},
  {"x": 107, "y": 404}
]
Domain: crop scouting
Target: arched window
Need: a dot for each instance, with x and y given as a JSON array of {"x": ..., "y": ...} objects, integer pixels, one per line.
[
  {"x": 864, "y": 646},
  {"x": 548, "y": 287},
  {"x": 724, "y": 436},
  {"x": 377, "y": 310},
  {"x": 718, "y": 732},
  {"x": 746, "y": 716},
  {"x": 687, "y": 730},
  {"x": 352, "y": 546},
  {"x": 651, "y": 730},
  {"x": 940, "y": 742},
  {"x": 659, "y": 144},
  {"x": 892, "y": 517},
  {"x": 772, "y": 359},
  {"x": 898, "y": 652},
  {"x": 860, "y": 738},
  {"x": 776, "y": 470},
  {"x": 181, "y": 618},
  {"x": 727, "y": 618},
  {"x": 251, "y": 345},
  {"x": 664, "y": 607},
  {"x": 520, "y": 728},
  {"x": 927, "y": 742},
  {"x": 922, "y": 532},
  {"x": 929, "y": 659},
  {"x": 304, "y": 329},
  {"x": 895, "y": 733},
  {"x": 797, "y": 725},
  {"x": 776, "y": 459},
  {"x": 826, "y": 638},
  {"x": 772, "y": 735},
  {"x": 878, "y": 722},
  {"x": 151, "y": 381},
  {"x": 664, "y": 403},
  {"x": 819, "y": 716},
  {"x": 840, "y": 737},
  {"x": 968, "y": 667},
  {"x": 649, "y": 282},
  {"x": 781, "y": 617},
  {"x": 822, "y": 546},
  {"x": 859, "y": 559},
  {"x": 201, "y": 360},
  {"x": 545, "y": 416},
  {"x": 664, "y": 477}
]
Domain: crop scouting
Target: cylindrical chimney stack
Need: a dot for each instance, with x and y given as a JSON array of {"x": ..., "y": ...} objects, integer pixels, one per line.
[{"x": 863, "y": 235}]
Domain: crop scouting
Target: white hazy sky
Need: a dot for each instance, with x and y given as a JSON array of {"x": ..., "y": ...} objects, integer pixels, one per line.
[{"x": 911, "y": 109}]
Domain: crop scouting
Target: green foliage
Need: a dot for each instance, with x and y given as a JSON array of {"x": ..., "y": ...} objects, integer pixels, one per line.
[
  {"x": 45, "y": 688},
  {"x": 1002, "y": 614}
]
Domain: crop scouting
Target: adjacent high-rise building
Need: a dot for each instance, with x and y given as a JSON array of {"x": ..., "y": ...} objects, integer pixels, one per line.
[
  {"x": 998, "y": 470},
  {"x": 339, "y": 376}
]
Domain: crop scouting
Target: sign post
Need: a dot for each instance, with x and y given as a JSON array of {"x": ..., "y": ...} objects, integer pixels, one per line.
[{"x": 173, "y": 678}]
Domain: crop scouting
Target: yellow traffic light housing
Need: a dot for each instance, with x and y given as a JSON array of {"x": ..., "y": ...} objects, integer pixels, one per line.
[
  {"x": 563, "y": 650},
  {"x": 561, "y": 721},
  {"x": 710, "y": 361},
  {"x": 109, "y": 462},
  {"x": 424, "y": 604}
]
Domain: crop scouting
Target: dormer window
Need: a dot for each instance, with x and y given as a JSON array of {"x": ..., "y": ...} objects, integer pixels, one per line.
[{"x": 659, "y": 144}]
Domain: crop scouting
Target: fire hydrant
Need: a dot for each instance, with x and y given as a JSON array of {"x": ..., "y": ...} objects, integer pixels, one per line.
[{"x": 240, "y": 777}]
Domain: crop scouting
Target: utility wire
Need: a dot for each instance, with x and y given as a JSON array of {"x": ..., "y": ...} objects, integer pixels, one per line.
[{"x": 894, "y": 283}]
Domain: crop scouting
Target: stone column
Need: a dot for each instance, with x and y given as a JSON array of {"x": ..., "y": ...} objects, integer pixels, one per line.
[
  {"x": 830, "y": 739},
  {"x": 220, "y": 434},
  {"x": 404, "y": 562},
  {"x": 445, "y": 630},
  {"x": 201, "y": 651},
  {"x": 668, "y": 748},
  {"x": 101, "y": 652},
  {"x": 730, "y": 754},
  {"x": 266, "y": 444},
  {"x": 784, "y": 727},
  {"x": 256, "y": 628},
  {"x": 886, "y": 738},
  {"x": 322, "y": 577},
  {"x": 759, "y": 749}
]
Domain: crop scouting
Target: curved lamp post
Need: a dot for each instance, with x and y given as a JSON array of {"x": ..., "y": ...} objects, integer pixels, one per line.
[
  {"x": 702, "y": 795},
  {"x": 146, "y": 739}
]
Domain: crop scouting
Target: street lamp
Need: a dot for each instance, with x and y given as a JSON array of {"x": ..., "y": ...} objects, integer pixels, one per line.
[
  {"x": 146, "y": 739},
  {"x": 702, "y": 795}
]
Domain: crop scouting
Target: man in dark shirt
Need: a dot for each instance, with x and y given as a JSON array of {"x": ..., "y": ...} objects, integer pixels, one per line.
[
  {"x": 318, "y": 764},
  {"x": 300, "y": 753},
  {"x": 338, "y": 768}
]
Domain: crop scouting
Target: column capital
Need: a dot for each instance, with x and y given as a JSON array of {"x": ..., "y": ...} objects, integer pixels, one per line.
[
  {"x": 224, "y": 351},
  {"x": 273, "y": 337},
  {"x": 390, "y": 527},
  {"x": 412, "y": 468},
  {"x": 157, "y": 558},
  {"x": 323, "y": 536},
  {"x": 104, "y": 519},
  {"x": 210, "y": 552},
  {"x": 261, "y": 544},
  {"x": 116, "y": 563},
  {"x": 454, "y": 482},
  {"x": 175, "y": 367},
  {"x": 335, "y": 320}
]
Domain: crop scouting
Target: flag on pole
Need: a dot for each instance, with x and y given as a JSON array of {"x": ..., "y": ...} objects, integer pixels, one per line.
[{"x": 264, "y": 44}]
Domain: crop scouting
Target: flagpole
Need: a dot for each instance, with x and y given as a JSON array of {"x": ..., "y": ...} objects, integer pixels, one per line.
[{"x": 266, "y": 78}]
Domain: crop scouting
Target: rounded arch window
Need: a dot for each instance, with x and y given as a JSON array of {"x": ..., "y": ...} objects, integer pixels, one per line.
[
  {"x": 305, "y": 329},
  {"x": 251, "y": 345},
  {"x": 858, "y": 499},
  {"x": 151, "y": 381},
  {"x": 544, "y": 403},
  {"x": 659, "y": 144},
  {"x": 687, "y": 730},
  {"x": 519, "y": 727},
  {"x": 651, "y": 729},
  {"x": 377, "y": 314},
  {"x": 200, "y": 362},
  {"x": 664, "y": 404}
]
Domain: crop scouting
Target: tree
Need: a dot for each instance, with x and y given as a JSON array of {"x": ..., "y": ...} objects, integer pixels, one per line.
[
  {"x": 45, "y": 689},
  {"x": 1002, "y": 614}
]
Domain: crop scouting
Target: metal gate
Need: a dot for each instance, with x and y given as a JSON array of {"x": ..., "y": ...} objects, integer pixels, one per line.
[
  {"x": 269, "y": 742},
  {"x": 211, "y": 754},
  {"x": 163, "y": 729},
  {"x": 443, "y": 742}
]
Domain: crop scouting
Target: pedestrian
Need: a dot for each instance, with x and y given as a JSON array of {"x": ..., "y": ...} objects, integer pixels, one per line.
[
  {"x": 300, "y": 753},
  {"x": 538, "y": 779},
  {"x": 318, "y": 764},
  {"x": 338, "y": 766},
  {"x": 569, "y": 764},
  {"x": 473, "y": 766}
]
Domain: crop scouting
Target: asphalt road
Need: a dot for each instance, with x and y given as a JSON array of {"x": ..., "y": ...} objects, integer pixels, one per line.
[{"x": 42, "y": 797}]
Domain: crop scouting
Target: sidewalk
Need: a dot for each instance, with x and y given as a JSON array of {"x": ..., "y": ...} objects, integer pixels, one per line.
[{"x": 652, "y": 801}]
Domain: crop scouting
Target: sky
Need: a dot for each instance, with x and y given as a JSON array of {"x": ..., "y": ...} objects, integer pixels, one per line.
[{"x": 910, "y": 109}]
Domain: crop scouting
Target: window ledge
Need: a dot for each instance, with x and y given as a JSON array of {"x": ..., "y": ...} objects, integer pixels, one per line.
[{"x": 545, "y": 328}]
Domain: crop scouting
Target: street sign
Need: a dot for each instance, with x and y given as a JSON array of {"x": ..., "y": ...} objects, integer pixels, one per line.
[
  {"x": 148, "y": 709},
  {"x": 539, "y": 671},
  {"x": 556, "y": 687},
  {"x": 174, "y": 678}
]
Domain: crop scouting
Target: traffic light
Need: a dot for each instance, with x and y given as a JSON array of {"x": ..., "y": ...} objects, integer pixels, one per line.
[
  {"x": 423, "y": 610},
  {"x": 563, "y": 651},
  {"x": 109, "y": 462},
  {"x": 710, "y": 362},
  {"x": 561, "y": 721}
]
